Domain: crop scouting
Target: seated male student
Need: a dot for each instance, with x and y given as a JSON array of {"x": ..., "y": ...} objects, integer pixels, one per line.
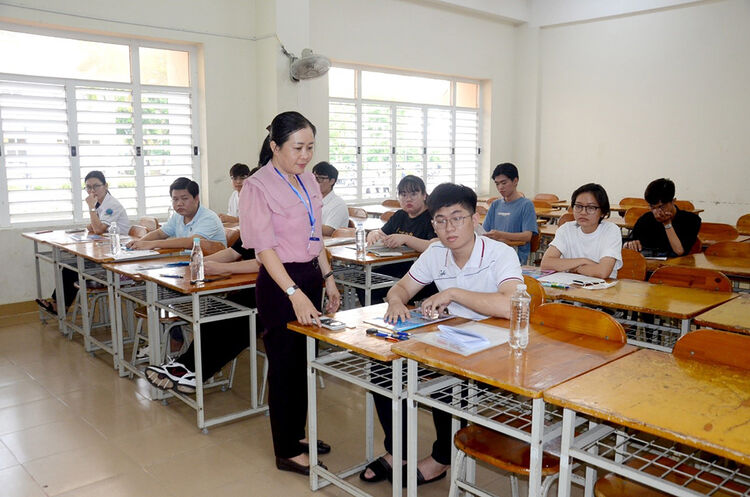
[
  {"x": 335, "y": 211},
  {"x": 221, "y": 341},
  {"x": 475, "y": 278},
  {"x": 666, "y": 230},
  {"x": 511, "y": 217},
  {"x": 190, "y": 220},
  {"x": 238, "y": 173}
]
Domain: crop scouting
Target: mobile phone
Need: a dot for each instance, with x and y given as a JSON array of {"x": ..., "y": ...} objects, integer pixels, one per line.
[{"x": 332, "y": 324}]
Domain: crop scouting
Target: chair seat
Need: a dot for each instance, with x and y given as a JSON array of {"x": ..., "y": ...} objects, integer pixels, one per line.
[
  {"x": 501, "y": 451},
  {"x": 164, "y": 316}
]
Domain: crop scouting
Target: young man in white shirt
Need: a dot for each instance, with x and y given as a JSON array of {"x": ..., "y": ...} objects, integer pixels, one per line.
[
  {"x": 475, "y": 276},
  {"x": 238, "y": 173},
  {"x": 335, "y": 211}
]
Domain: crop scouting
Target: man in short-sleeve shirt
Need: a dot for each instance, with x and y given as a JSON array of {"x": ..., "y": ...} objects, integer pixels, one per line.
[{"x": 335, "y": 211}]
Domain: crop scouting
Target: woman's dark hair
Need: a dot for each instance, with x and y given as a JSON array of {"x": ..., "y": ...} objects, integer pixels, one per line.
[
  {"x": 599, "y": 193},
  {"x": 184, "y": 184},
  {"x": 659, "y": 191},
  {"x": 282, "y": 126},
  {"x": 447, "y": 194},
  {"x": 411, "y": 183},
  {"x": 96, "y": 174}
]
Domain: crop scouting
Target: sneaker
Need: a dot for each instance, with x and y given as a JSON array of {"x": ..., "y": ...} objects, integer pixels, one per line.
[
  {"x": 171, "y": 376},
  {"x": 143, "y": 352}
]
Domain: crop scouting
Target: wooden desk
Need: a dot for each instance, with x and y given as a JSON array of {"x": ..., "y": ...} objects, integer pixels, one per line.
[
  {"x": 375, "y": 210},
  {"x": 736, "y": 268},
  {"x": 546, "y": 213},
  {"x": 644, "y": 297},
  {"x": 707, "y": 242},
  {"x": 552, "y": 357},
  {"x": 699, "y": 404},
  {"x": 194, "y": 303},
  {"x": 731, "y": 316},
  {"x": 365, "y": 361},
  {"x": 363, "y": 277},
  {"x": 370, "y": 224}
]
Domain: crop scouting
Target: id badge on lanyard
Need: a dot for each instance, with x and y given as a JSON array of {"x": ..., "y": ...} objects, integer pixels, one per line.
[{"x": 308, "y": 206}]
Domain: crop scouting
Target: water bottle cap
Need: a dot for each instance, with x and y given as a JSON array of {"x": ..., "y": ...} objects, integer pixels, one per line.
[
  {"x": 521, "y": 286},
  {"x": 196, "y": 239}
]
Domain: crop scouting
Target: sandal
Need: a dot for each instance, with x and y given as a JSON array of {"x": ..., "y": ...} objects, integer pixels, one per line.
[
  {"x": 47, "y": 306},
  {"x": 420, "y": 477},
  {"x": 380, "y": 468}
]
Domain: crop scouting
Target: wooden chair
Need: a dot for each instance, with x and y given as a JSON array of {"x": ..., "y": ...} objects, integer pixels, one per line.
[
  {"x": 511, "y": 454},
  {"x": 729, "y": 249},
  {"x": 689, "y": 277},
  {"x": 357, "y": 213},
  {"x": 389, "y": 202},
  {"x": 137, "y": 231},
  {"x": 150, "y": 223},
  {"x": 684, "y": 205},
  {"x": 633, "y": 214},
  {"x": 633, "y": 266},
  {"x": 232, "y": 234},
  {"x": 711, "y": 346},
  {"x": 743, "y": 224},
  {"x": 490, "y": 200},
  {"x": 534, "y": 243},
  {"x": 568, "y": 216},
  {"x": 536, "y": 290},
  {"x": 548, "y": 197},
  {"x": 542, "y": 204},
  {"x": 343, "y": 233},
  {"x": 386, "y": 216},
  {"x": 633, "y": 202},
  {"x": 481, "y": 208},
  {"x": 717, "y": 232}
]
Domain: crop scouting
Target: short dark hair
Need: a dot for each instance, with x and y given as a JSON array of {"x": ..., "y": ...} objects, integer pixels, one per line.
[
  {"x": 506, "y": 169},
  {"x": 659, "y": 191},
  {"x": 411, "y": 183},
  {"x": 599, "y": 193},
  {"x": 184, "y": 184},
  {"x": 326, "y": 169},
  {"x": 281, "y": 128},
  {"x": 446, "y": 194},
  {"x": 239, "y": 169},
  {"x": 96, "y": 174}
]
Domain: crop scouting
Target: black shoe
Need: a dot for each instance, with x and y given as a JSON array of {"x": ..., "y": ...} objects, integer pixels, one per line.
[
  {"x": 295, "y": 467},
  {"x": 47, "y": 306},
  {"x": 381, "y": 470},
  {"x": 323, "y": 448}
]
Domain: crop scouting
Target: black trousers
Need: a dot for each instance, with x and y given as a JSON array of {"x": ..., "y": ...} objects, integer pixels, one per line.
[
  {"x": 69, "y": 278},
  {"x": 287, "y": 361}
]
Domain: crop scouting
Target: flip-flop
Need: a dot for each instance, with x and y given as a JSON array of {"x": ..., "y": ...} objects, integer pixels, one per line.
[
  {"x": 420, "y": 477},
  {"x": 47, "y": 306},
  {"x": 380, "y": 468}
]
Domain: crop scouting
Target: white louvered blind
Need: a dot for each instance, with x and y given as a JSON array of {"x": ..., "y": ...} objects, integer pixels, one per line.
[
  {"x": 376, "y": 151},
  {"x": 467, "y": 147},
  {"x": 410, "y": 136},
  {"x": 439, "y": 144},
  {"x": 342, "y": 146}
]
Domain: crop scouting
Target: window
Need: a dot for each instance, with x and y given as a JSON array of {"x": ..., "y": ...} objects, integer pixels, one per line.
[
  {"x": 71, "y": 106},
  {"x": 383, "y": 126}
]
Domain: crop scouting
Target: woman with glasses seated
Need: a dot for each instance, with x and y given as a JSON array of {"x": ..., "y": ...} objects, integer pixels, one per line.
[
  {"x": 104, "y": 209},
  {"x": 590, "y": 246}
]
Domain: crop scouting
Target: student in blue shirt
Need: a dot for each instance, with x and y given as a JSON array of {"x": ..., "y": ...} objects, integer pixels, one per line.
[
  {"x": 190, "y": 219},
  {"x": 511, "y": 217}
]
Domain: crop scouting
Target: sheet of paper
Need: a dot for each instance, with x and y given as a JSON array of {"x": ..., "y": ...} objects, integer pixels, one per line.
[{"x": 466, "y": 339}]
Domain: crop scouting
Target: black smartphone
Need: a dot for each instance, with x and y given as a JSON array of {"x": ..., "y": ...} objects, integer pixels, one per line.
[{"x": 332, "y": 324}]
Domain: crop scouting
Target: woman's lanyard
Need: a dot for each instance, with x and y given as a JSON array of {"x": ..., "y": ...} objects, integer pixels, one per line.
[{"x": 308, "y": 204}]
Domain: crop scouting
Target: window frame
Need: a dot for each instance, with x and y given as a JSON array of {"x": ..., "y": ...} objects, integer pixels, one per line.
[{"x": 136, "y": 89}]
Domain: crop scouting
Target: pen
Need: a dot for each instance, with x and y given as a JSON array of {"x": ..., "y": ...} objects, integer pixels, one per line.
[
  {"x": 374, "y": 332},
  {"x": 400, "y": 336},
  {"x": 171, "y": 276},
  {"x": 177, "y": 264},
  {"x": 554, "y": 285},
  {"x": 40, "y": 232}
]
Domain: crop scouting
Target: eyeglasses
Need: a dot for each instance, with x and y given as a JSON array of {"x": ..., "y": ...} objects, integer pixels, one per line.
[
  {"x": 240, "y": 177},
  {"x": 320, "y": 179},
  {"x": 91, "y": 188},
  {"x": 456, "y": 222},
  {"x": 590, "y": 209},
  {"x": 661, "y": 208},
  {"x": 409, "y": 194}
]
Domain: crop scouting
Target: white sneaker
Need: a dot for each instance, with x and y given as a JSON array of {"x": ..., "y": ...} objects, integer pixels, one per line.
[{"x": 143, "y": 352}]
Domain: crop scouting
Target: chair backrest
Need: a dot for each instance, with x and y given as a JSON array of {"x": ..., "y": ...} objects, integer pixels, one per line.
[
  {"x": 743, "y": 223},
  {"x": 549, "y": 197},
  {"x": 685, "y": 205},
  {"x": 536, "y": 290},
  {"x": 729, "y": 249},
  {"x": 717, "y": 232},
  {"x": 542, "y": 204},
  {"x": 343, "y": 233},
  {"x": 357, "y": 212},
  {"x": 691, "y": 277},
  {"x": 576, "y": 319},
  {"x": 137, "y": 231},
  {"x": 386, "y": 216},
  {"x": 633, "y": 202},
  {"x": 389, "y": 202},
  {"x": 150, "y": 223},
  {"x": 233, "y": 234},
  {"x": 633, "y": 214},
  {"x": 534, "y": 243},
  {"x": 490, "y": 200},
  {"x": 719, "y": 347},
  {"x": 633, "y": 266},
  {"x": 568, "y": 216},
  {"x": 481, "y": 208}
]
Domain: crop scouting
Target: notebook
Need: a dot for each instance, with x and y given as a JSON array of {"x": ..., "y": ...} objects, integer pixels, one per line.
[
  {"x": 466, "y": 339},
  {"x": 415, "y": 321},
  {"x": 383, "y": 251},
  {"x": 569, "y": 279},
  {"x": 535, "y": 272}
]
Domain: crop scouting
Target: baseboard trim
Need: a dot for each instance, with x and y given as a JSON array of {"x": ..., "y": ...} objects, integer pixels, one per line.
[{"x": 18, "y": 308}]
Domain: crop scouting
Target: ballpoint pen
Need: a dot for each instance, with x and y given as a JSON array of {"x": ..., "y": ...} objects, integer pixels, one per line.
[
  {"x": 554, "y": 285},
  {"x": 376, "y": 333},
  {"x": 171, "y": 276}
]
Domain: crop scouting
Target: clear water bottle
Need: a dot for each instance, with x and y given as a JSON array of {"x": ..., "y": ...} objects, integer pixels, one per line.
[
  {"x": 359, "y": 237},
  {"x": 196, "y": 261},
  {"x": 114, "y": 238},
  {"x": 519, "y": 318}
]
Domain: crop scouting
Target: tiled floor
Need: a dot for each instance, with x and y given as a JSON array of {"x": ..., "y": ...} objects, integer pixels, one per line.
[{"x": 70, "y": 426}]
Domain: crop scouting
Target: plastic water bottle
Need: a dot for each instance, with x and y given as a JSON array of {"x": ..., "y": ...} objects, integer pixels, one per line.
[
  {"x": 359, "y": 238},
  {"x": 196, "y": 261},
  {"x": 114, "y": 238},
  {"x": 519, "y": 318}
]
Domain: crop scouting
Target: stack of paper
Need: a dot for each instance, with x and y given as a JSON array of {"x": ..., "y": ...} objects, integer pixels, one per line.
[
  {"x": 468, "y": 338},
  {"x": 382, "y": 251},
  {"x": 134, "y": 254},
  {"x": 571, "y": 279}
]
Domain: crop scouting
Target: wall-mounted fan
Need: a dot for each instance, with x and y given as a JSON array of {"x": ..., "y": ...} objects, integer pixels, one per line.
[{"x": 309, "y": 65}]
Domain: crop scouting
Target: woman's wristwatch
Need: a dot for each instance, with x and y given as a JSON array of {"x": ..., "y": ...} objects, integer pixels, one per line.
[
  {"x": 290, "y": 291},
  {"x": 328, "y": 275}
]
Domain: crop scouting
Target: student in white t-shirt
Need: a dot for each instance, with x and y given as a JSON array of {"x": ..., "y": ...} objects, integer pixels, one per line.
[
  {"x": 335, "y": 211},
  {"x": 238, "y": 173},
  {"x": 590, "y": 245}
]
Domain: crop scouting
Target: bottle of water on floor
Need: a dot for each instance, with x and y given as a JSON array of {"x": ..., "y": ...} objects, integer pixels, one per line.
[
  {"x": 196, "y": 261},
  {"x": 114, "y": 239},
  {"x": 359, "y": 238},
  {"x": 519, "y": 318}
]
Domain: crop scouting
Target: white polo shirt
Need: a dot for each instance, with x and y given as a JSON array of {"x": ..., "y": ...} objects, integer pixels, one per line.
[
  {"x": 491, "y": 263},
  {"x": 111, "y": 210}
]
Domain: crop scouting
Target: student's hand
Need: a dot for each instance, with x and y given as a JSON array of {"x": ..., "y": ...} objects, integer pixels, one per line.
[
  {"x": 375, "y": 236},
  {"x": 141, "y": 245},
  {"x": 437, "y": 303},
  {"x": 396, "y": 310},
  {"x": 212, "y": 267},
  {"x": 395, "y": 240},
  {"x": 334, "y": 297},
  {"x": 304, "y": 310},
  {"x": 495, "y": 235},
  {"x": 225, "y": 218},
  {"x": 91, "y": 200},
  {"x": 633, "y": 245}
]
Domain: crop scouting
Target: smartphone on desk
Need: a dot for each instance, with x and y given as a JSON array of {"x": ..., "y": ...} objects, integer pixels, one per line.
[{"x": 332, "y": 324}]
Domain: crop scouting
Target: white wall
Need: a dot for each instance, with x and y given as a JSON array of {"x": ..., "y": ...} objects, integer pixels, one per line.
[{"x": 625, "y": 100}]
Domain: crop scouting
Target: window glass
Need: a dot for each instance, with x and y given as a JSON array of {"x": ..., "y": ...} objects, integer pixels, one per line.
[
  {"x": 401, "y": 88},
  {"x": 467, "y": 94},
  {"x": 341, "y": 82},
  {"x": 164, "y": 67}
]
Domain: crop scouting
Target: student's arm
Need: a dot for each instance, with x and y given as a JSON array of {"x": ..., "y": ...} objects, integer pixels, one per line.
[
  {"x": 227, "y": 261},
  {"x": 226, "y": 218},
  {"x": 601, "y": 269},
  {"x": 375, "y": 236},
  {"x": 490, "y": 304},
  {"x": 502, "y": 236},
  {"x": 207, "y": 246},
  {"x": 327, "y": 230},
  {"x": 146, "y": 239},
  {"x": 332, "y": 291},
  {"x": 398, "y": 296},
  {"x": 553, "y": 259}
]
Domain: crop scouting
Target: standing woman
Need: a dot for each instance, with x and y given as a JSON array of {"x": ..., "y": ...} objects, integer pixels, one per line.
[
  {"x": 280, "y": 217},
  {"x": 104, "y": 209}
]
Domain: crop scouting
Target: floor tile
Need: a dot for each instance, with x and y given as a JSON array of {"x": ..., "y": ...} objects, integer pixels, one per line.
[
  {"x": 137, "y": 483},
  {"x": 16, "y": 481},
  {"x": 21, "y": 392},
  {"x": 35, "y": 413},
  {"x": 50, "y": 438},
  {"x": 7, "y": 459}
]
